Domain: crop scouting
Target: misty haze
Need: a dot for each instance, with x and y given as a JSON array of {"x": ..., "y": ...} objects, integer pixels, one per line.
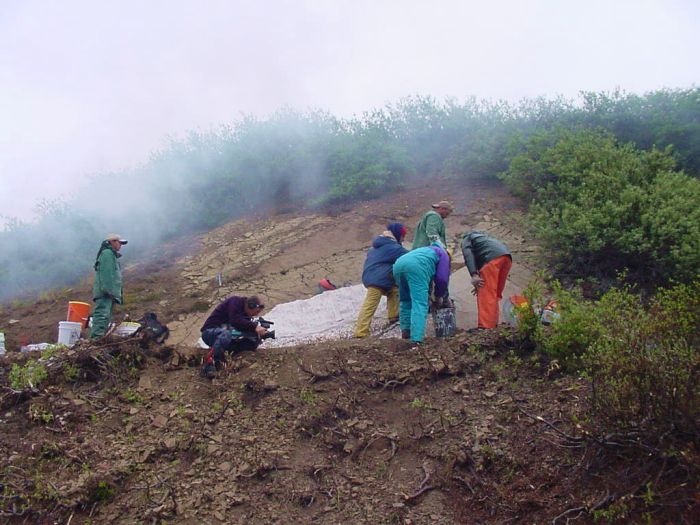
[{"x": 282, "y": 103}]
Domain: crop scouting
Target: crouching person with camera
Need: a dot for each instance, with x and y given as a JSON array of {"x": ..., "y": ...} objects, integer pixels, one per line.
[{"x": 231, "y": 328}]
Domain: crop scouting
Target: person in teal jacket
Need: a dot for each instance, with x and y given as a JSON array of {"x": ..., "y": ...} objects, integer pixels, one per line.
[
  {"x": 413, "y": 273},
  {"x": 107, "y": 288}
]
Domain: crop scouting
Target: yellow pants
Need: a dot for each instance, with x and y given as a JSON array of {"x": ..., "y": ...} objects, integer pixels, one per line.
[{"x": 374, "y": 295}]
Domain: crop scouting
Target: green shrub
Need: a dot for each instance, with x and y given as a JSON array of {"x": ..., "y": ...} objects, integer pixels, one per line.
[
  {"x": 578, "y": 326},
  {"x": 28, "y": 376},
  {"x": 600, "y": 207},
  {"x": 670, "y": 222},
  {"x": 643, "y": 358},
  {"x": 645, "y": 370}
]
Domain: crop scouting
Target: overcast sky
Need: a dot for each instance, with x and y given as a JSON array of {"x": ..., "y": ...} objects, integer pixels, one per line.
[{"x": 96, "y": 85}]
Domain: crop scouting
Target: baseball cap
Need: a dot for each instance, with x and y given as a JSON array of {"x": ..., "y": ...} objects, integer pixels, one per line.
[
  {"x": 116, "y": 237},
  {"x": 444, "y": 204}
]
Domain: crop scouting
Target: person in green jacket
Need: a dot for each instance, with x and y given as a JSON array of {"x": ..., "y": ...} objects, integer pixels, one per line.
[
  {"x": 431, "y": 227},
  {"x": 107, "y": 288}
]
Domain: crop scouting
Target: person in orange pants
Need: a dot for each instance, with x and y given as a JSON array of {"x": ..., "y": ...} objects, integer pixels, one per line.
[{"x": 488, "y": 261}]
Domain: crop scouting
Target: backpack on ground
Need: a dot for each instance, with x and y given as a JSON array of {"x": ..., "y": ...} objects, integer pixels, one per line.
[{"x": 151, "y": 329}]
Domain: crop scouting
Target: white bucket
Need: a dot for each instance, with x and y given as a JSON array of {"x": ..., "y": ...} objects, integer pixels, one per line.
[{"x": 68, "y": 332}]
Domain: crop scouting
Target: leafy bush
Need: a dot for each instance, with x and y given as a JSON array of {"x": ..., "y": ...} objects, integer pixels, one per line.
[
  {"x": 645, "y": 370},
  {"x": 643, "y": 358},
  {"x": 28, "y": 376},
  {"x": 600, "y": 207},
  {"x": 567, "y": 339},
  {"x": 659, "y": 118}
]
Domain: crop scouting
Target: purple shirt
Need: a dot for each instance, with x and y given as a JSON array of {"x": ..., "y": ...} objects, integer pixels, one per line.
[
  {"x": 442, "y": 272},
  {"x": 231, "y": 312}
]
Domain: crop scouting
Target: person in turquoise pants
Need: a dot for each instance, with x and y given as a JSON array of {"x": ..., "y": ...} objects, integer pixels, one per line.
[{"x": 413, "y": 273}]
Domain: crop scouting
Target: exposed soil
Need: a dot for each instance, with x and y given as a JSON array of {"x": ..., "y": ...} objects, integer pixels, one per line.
[{"x": 465, "y": 430}]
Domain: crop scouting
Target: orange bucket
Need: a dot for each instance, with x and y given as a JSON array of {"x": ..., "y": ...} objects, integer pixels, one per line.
[
  {"x": 78, "y": 312},
  {"x": 518, "y": 300}
]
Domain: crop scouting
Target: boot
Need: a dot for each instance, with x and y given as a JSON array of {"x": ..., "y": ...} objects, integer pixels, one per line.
[
  {"x": 208, "y": 371},
  {"x": 405, "y": 334}
]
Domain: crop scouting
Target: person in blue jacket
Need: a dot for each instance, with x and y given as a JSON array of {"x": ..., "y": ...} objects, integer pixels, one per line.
[
  {"x": 413, "y": 273},
  {"x": 378, "y": 279}
]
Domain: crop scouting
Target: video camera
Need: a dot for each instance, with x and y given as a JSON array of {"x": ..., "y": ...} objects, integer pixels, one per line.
[{"x": 267, "y": 324}]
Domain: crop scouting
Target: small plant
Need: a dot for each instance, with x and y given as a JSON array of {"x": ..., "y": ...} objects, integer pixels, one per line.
[
  {"x": 615, "y": 512},
  {"x": 236, "y": 403},
  {"x": 308, "y": 396},
  {"x": 44, "y": 490},
  {"x": 40, "y": 414},
  {"x": 50, "y": 450},
  {"x": 419, "y": 404},
  {"x": 132, "y": 397},
  {"x": 28, "y": 376},
  {"x": 71, "y": 373},
  {"x": 102, "y": 491},
  {"x": 50, "y": 352}
]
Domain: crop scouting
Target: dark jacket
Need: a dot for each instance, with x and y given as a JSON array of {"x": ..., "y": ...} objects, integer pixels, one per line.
[
  {"x": 231, "y": 313},
  {"x": 108, "y": 274},
  {"x": 380, "y": 259},
  {"x": 480, "y": 248}
]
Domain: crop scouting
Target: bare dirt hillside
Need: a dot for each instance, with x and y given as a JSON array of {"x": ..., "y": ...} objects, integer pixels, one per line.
[
  {"x": 283, "y": 257},
  {"x": 472, "y": 429}
]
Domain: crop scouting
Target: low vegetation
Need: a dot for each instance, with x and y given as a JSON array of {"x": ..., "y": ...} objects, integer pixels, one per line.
[{"x": 642, "y": 360}]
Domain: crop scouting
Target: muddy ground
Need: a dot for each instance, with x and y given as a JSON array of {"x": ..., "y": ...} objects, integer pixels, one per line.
[{"x": 474, "y": 429}]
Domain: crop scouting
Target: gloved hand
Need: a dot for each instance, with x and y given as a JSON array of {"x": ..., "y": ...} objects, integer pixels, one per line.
[{"x": 477, "y": 282}]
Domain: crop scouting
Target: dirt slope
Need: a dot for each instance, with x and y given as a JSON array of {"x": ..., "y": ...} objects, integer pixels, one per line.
[
  {"x": 371, "y": 431},
  {"x": 283, "y": 257},
  {"x": 345, "y": 432}
]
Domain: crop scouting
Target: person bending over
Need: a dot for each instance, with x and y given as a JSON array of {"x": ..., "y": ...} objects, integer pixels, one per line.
[
  {"x": 378, "y": 278},
  {"x": 413, "y": 273},
  {"x": 488, "y": 261}
]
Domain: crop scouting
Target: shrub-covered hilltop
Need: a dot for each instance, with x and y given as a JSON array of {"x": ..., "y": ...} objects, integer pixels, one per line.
[{"x": 612, "y": 179}]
